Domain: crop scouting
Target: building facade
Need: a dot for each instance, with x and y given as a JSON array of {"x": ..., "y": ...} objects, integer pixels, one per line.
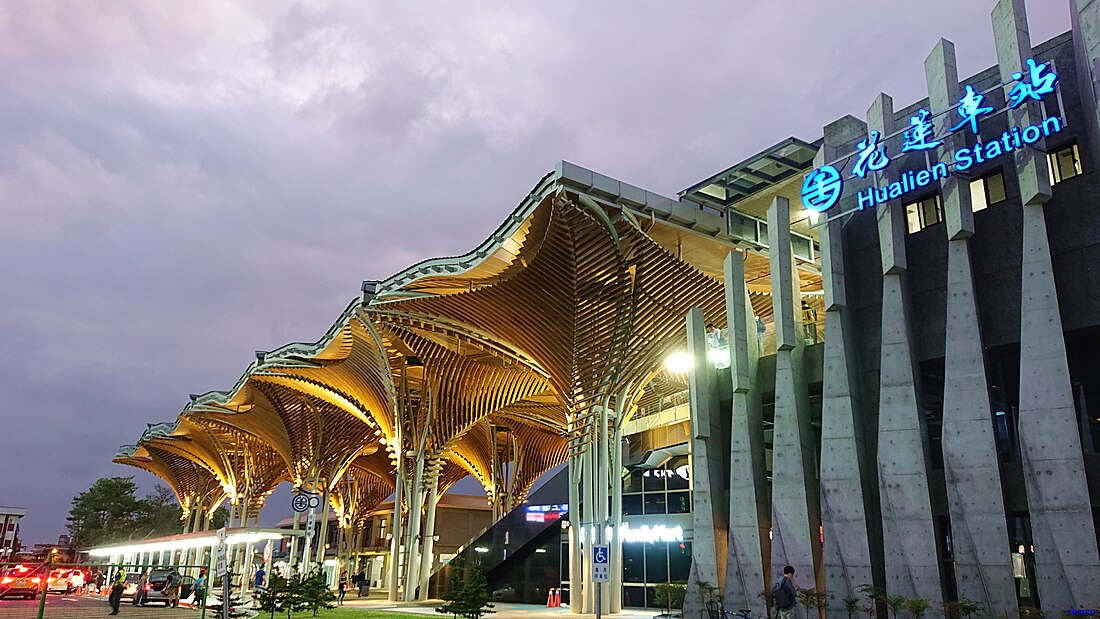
[{"x": 9, "y": 531}]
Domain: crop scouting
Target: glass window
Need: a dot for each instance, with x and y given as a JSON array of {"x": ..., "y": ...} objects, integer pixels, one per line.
[
  {"x": 634, "y": 597},
  {"x": 654, "y": 481},
  {"x": 678, "y": 465},
  {"x": 679, "y": 502},
  {"x": 801, "y": 247},
  {"x": 633, "y": 563},
  {"x": 679, "y": 561},
  {"x": 1064, "y": 163},
  {"x": 741, "y": 227},
  {"x": 987, "y": 191},
  {"x": 656, "y": 562},
  {"x": 655, "y": 503},
  {"x": 923, "y": 213},
  {"x": 632, "y": 504}
]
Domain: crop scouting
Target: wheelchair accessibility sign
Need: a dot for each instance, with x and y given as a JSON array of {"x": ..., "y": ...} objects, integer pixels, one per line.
[{"x": 601, "y": 563}]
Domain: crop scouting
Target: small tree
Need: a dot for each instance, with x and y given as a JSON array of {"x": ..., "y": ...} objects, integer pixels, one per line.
[
  {"x": 315, "y": 592},
  {"x": 670, "y": 596},
  {"x": 851, "y": 606},
  {"x": 916, "y": 607},
  {"x": 811, "y": 600},
  {"x": 467, "y": 595},
  {"x": 894, "y": 604},
  {"x": 272, "y": 599},
  {"x": 962, "y": 609}
]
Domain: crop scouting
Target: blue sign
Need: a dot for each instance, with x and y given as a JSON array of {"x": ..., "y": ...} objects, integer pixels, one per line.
[
  {"x": 601, "y": 562},
  {"x": 823, "y": 187}
]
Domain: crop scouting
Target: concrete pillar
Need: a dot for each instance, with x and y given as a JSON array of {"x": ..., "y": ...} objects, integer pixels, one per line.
[
  {"x": 1066, "y": 560},
  {"x": 710, "y": 521},
  {"x": 748, "y": 557},
  {"x": 846, "y": 552},
  {"x": 796, "y": 519},
  {"x": 979, "y": 535},
  {"x": 908, "y": 532},
  {"x": 588, "y": 520}
]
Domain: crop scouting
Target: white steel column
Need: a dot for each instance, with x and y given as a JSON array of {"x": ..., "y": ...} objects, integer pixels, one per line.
[
  {"x": 427, "y": 558},
  {"x": 576, "y": 577}
]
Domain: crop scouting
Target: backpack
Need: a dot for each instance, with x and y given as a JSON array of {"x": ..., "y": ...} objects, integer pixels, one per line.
[
  {"x": 781, "y": 595},
  {"x": 173, "y": 579}
]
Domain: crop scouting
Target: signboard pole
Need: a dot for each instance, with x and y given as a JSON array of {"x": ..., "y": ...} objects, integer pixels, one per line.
[{"x": 223, "y": 570}]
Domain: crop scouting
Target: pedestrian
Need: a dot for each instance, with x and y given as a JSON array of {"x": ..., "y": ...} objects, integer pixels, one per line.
[
  {"x": 258, "y": 581},
  {"x": 172, "y": 587},
  {"x": 117, "y": 587},
  {"x": 140, "y": 592},
  {"x": 100, "y": 581},
  {"x": 199, "y": 598},
  {"x": 760, "y": 329},
  {"x": 343, "y": 586},
  {"x": 784, "y": 594},
  {"x": 362, "y": 582}
]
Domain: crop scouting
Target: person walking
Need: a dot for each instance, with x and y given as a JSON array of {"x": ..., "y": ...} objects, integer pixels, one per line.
[
  {"x": 784, "y": 594},
  {"x": 100, "y": 581},
  {"x": 343, "y": 587},
  {"x": 199, "y": 598},
  {"x": 258, "y": 580},
  {"x": 172, "y": 586},
  {"x": 117, "y": 587},
  {"x": 362, "y": 582},
  {"x": 139, "y": 594}
]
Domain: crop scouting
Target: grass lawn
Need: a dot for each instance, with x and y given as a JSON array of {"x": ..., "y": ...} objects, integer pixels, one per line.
[{"x": 346, "y": 613}]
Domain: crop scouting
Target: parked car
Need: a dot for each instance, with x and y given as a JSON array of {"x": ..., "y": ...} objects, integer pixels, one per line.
[
  {"x": 23, "y": 581},
  {"x": 59, "y": 581},
  {"x": 156, "y": 584},
  {"x": 131, "y": 584}
]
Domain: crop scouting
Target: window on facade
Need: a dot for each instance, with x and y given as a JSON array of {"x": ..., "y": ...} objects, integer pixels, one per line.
[
  {"x": 633, "y": 563},
  {"x": 1064, "y": 163},
  {"x": 656, "y": 562},
  {"x": 923, "y": 213},
  {"x": 655, "y": 503},
  {"x": 987, "y": 191},
  {"x": 632, "y": 504},
  {"x": 679, "y": 502}
]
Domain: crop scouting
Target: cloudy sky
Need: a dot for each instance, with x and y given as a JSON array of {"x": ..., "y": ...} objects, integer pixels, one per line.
[{"x": 183, "y": 183}]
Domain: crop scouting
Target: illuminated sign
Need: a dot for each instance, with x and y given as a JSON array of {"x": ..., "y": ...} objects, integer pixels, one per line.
[
  {"x": 822, "y": 187},
  {"x": 683, "y": 471},
  {"x": 545, "y": 513},
  {"x": 648, "y": 534}
]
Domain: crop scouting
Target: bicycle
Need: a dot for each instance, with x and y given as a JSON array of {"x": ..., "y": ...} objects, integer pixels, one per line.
[{"x": 715, "y": 610}]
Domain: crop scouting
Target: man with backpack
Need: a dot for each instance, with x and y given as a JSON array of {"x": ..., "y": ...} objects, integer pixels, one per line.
[
  {"x": 783, "y": 594},
  {"x": 172, "y": 586}
]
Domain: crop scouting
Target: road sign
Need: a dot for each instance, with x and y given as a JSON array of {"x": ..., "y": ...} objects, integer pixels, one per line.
[
  {"x": 311, "y": 520},
  {"x": 221, "y": 566},
  {"x": 601, "y": 563},
  {"x": 222, "y": 534}
]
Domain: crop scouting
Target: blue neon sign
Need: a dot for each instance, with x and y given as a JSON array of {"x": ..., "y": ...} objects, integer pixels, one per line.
[{"x": 823, "y": 186}]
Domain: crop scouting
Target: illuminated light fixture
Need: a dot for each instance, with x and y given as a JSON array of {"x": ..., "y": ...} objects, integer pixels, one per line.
[
  {"x": 540, "y": 550},
  {"x": 201, "y": 541},
  {"x": 481, "y": 549},
  {"x": 812, "y": 215},
  {"x": 679, "y": 362},
  {"x": 648, "y": 534},
  {"x": 719, "y": 357}
]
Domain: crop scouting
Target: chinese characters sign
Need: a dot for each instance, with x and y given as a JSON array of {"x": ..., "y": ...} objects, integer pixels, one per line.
[{"x": 823, "y": 187}]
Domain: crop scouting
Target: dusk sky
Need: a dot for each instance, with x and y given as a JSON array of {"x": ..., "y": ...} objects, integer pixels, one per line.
[{"x": 184, "y": 183}]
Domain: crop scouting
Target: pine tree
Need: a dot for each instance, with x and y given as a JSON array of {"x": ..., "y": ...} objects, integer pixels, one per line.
[
  {"x": 272, "y": 599},
  {"x": 467, "y": 594},
  {"x": 315, "y": 592}
]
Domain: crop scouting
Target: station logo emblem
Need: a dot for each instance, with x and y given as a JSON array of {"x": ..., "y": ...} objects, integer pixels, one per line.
[{"x": 822, "y": 188}]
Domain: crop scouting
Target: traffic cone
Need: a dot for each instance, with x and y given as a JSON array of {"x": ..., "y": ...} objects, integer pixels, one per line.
[
  {"x": 557, "y": 598},
  {"x": 550, "y": 598}
]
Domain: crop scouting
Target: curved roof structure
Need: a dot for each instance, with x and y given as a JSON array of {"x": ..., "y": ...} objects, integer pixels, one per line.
[{"x": 486, "y": 364}]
